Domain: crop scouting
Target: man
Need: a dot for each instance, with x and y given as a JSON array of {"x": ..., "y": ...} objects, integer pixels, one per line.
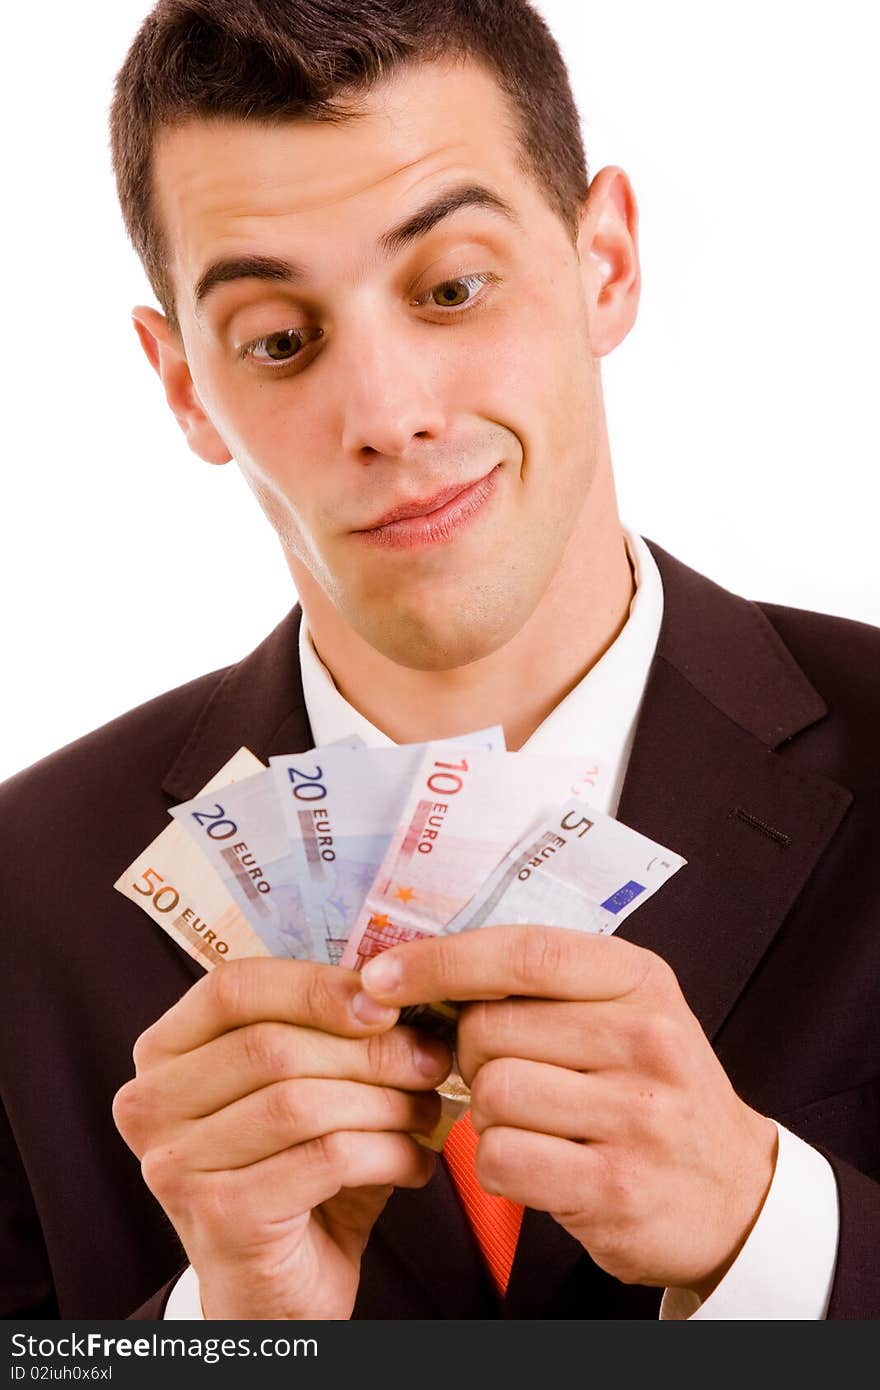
[{"x": 386, "y": 291}]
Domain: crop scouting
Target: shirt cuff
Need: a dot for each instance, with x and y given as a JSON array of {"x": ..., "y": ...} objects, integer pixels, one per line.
[
  {"x": 786, "y": 1267},
  {"x": 184, "y": 1302}
]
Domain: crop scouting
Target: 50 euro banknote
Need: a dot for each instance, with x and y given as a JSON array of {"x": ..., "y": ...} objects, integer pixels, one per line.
[{"x": 175, "y": 885}]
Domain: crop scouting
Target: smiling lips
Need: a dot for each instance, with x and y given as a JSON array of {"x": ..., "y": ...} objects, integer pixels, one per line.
[{"x": 430, "y": 520}]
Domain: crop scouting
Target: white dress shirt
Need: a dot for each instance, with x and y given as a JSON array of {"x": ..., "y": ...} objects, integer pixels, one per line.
[{"x": 786, "y": 1266}]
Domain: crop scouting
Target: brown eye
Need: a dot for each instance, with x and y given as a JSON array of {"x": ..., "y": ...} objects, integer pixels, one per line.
[
  {"x": 451, "y": 294},
  {"x": 280, "y": 347},
  {"x": 461, "y": 292}
]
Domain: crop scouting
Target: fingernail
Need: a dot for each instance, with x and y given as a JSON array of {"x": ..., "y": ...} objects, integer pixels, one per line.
[
  {"x": 382, "y": 974},
  {"x": 369, "y": 1010}
]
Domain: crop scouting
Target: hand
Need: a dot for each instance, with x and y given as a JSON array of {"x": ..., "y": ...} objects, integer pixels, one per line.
[
  {"x": 272, "y": 1122},
  {"x": 597, "y": 1096}
]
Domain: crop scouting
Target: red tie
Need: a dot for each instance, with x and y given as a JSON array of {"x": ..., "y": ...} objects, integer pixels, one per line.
[{"x": 495, "y": 1220}]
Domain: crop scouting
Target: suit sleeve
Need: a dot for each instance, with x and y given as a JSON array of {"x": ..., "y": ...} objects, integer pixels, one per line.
[
  {"x": 154, "y": 1308},
  {"x": 855, "y": 1293}
]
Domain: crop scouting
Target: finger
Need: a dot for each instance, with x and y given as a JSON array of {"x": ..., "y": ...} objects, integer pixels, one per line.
[
  {"x": 247, "y": 1059},
  {"x": 549, "y": 1100},
  {"x": 295, "y": 1112},
  {"x": 548, "y": 962},
  {"x": 579, "y": 1036},
  {"x": 238, "y": 993},
  {"x": 243, "y": 1202},
  {"x": 536, "y": 1170}
]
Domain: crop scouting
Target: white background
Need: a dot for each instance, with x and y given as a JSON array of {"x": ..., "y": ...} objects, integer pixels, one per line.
[{"x": 742, "y": 408}]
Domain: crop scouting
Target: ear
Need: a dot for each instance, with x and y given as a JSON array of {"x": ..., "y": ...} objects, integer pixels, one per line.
[
  {"x": 166, "y": 355},
  {"x": 609, "y": 255}
]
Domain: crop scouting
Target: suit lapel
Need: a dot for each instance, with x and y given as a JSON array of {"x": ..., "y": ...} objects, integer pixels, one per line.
[
  {"x": 705, "y": 779},
  {"x": 257, "y": 704},
  {"x": 751, "y": 827}
]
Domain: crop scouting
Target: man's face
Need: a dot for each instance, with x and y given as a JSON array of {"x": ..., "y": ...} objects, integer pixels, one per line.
[{"x": 380, "y": 375}]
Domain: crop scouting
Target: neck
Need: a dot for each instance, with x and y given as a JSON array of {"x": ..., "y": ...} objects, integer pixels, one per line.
[{"x": 578, "y": 618}]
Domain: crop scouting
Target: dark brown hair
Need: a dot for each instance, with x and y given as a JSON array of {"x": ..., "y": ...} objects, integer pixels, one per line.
[{"x": 278, "y": 60}]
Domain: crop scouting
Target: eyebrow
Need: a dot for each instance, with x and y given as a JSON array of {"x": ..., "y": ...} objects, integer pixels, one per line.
[{"x": 390, "y": 243}]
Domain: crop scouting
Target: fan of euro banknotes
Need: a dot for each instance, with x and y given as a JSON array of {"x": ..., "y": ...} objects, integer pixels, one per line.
[{"x": 337, "y": 853}]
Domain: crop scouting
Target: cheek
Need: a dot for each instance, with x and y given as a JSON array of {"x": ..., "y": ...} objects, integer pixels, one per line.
[
  {"x": 280, "y": 474},
  {"x": 538, "y": 360},
  {"x": 258, "y": 419},
  {"x": 273, "y": 446},
  {"x": 280, "y": 447},
  {"x": 550, "y": 392},
  {"x": 282, "y": 517}
]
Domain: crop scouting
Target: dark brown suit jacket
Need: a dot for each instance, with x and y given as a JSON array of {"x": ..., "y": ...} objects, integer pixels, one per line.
[{"x": 757, "y": 757}]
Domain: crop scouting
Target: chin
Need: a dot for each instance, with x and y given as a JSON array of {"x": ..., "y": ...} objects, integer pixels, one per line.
[{"x": 440, "y": 641}]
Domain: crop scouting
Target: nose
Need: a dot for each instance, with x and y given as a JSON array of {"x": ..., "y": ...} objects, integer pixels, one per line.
[{"x": 389, "y": 394}]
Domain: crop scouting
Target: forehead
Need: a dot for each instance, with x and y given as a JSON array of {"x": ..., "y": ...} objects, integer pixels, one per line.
[{"x": 224, "y": 186}]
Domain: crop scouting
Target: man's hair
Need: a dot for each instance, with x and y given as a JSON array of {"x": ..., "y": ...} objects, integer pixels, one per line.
[{"x": 287, "y": 60}]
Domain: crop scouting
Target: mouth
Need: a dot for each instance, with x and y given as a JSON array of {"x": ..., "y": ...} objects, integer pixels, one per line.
[{"x": 431, "y": 520}]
